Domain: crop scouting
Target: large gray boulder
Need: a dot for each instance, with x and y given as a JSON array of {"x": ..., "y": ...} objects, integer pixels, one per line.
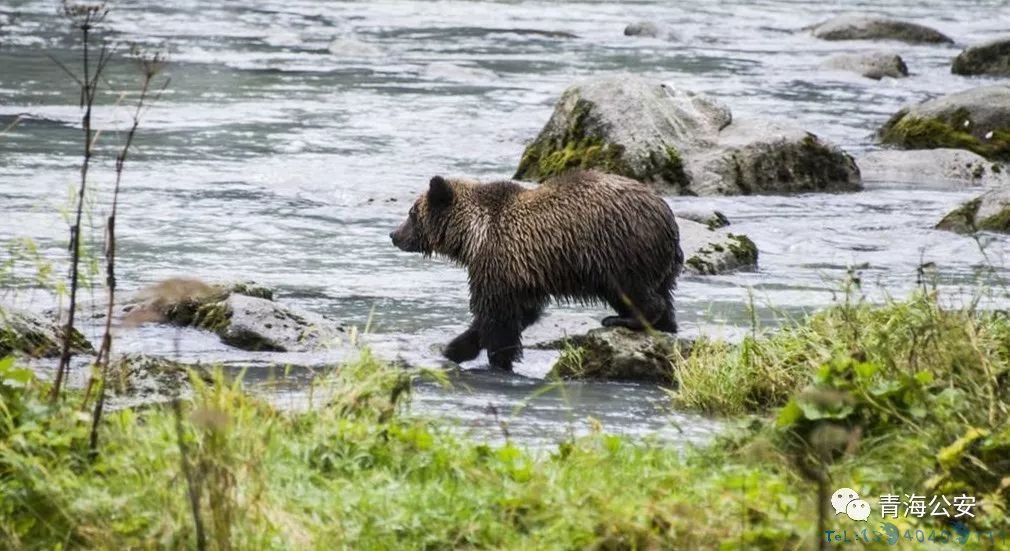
[
  {"x": 990, "y": 58},
  {"x": 850, "y": 27},
  {"x": 875, "y": 65},
  {"x": 680, "y": 141},
  {"x": 624, "y": 125},
  {"x": 988, "y": 212},
  {"x": 619, "y": 354},
  {"x": 243, "y": 315},
  {"x": 712, "y": 250},
  {"x": 932, "y": 168},
  {"x": 977, "y": 120},
  {"x": 27, "y": 333}
]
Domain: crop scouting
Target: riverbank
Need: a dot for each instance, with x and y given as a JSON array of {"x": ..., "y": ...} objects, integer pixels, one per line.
[{"x": 903, "y": 398}]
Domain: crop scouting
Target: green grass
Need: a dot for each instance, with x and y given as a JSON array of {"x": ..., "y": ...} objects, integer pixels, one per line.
[{"x": 900, "y": 398}]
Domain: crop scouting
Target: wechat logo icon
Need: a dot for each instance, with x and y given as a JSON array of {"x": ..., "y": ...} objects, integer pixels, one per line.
[{"x": 846, "y": 500}]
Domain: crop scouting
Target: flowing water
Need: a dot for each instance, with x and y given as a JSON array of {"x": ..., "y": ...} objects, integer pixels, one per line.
[{"x": 295, "y": 134}]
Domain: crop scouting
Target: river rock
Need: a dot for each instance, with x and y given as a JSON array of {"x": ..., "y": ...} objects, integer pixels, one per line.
[
  {"x": 849, "y": 27},
  {"x": 977, "y": 120},
  {"x": 875, "y": 65},
  {"x": 152, "y": 379},
  {"x": 711, "y": 251},
  {"x": 933, "y": 168},
  {"x": 619, "y": 354},
  {"x": 712, "y": 220},
  {"x": 990, "y": 58},
  {"x": 682, "y": 142},
  {"x": 642, "y": 28},
  {"x": 648, "y": 29},
  {"x": 624, "y": 125},
  {"x": 988, "y": 212},
  {"x": 30, "y": 334},
  {"x": 762, "y": 157},
  {"x": 243, "y": 315}
]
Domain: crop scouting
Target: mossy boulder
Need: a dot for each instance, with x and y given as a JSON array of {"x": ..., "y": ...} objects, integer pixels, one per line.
[
  {"x": 932, "y": 168},
  {"x": 990, "y": 58},
  {"x": 712, "y": 251},
  {"x": 682, "y": 142},
  {"x": 152, "y": 379},
  {"x": 875, "y": 65},
  {"x": 32, "y": 335},
  {"x": 977, "y": 120},
  {"x": 988, "y": 212},
  {"x": 624, "y": 125},
  {"x": 619, "y": 354},
  {"x": 763, "y": 157},
  {"x": 850, "y": 27},
  {"x": 243, "y": 315}
]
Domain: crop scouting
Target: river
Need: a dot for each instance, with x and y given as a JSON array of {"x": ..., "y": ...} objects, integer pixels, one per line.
[{"x": 294, "y": 135}]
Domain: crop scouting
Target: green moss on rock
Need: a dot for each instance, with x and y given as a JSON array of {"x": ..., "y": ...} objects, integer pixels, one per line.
[
  {"x": 618, "y": 354},
  {"x": 745, "y": 251},
  {"x": 213, "y": 316},
  {"x": 966, "y": 218},
  {"x": 28, "y": 334},
  {"x": 951, "y": 130},
  {"x": 582, "y": 145},
  {"x": 702, "y": 266}
]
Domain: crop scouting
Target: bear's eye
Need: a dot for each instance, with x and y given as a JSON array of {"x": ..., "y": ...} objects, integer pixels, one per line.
[{"x": 413, "y": 212}]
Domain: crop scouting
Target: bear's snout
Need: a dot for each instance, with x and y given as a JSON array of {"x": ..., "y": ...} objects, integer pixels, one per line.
[{"x": 403, "y": 239}]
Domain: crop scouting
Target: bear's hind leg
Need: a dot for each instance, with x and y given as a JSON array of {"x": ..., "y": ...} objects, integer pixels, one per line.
[
  {"x": 667, "y": 323},
  {"x": 617, "y": 301},
  {"x": 465, "y": 347},
  {"x": 646, "y": 310}
]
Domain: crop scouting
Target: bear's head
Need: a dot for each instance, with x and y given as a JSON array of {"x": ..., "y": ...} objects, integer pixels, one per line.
[{"x": 427, "y": 227}]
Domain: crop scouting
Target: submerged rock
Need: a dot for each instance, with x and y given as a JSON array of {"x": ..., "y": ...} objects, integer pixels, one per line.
[
  {"x": 990, "y": 58},
  {"x": 934, "y": 168},
  {"x": 243, "y": 315},
  {"x": 619, "y": 354},
  {"x": 977, "y": 120},
  {"x": 709, "y": 251},
  {"x": 35, "y": 336},
  {"x": 875, "y": 65},
  {"x": 642, "y": 28},
  {"x": 849, "y": 27},
  {"x": 988, "y": 212},
  {"x": 648, "y": 29},
  {"x": 681, "y": 142},
  {"x": 712, "y": 220}
]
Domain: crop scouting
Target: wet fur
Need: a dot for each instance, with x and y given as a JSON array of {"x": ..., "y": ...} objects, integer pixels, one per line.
[{"x": 583, "y": 236}]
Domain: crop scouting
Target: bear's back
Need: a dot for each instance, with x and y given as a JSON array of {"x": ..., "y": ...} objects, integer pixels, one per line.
[{"x": 574, "y": 230}]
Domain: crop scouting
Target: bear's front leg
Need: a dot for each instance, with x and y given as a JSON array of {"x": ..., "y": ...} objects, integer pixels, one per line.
[{"x": 464, "y": 347}]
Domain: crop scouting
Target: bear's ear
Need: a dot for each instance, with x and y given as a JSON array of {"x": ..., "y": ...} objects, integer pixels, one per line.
[{"x": 439, "y": 192}]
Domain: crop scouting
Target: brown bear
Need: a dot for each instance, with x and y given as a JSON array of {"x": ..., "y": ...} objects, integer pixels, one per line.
[{"x": 582, "y": 236}]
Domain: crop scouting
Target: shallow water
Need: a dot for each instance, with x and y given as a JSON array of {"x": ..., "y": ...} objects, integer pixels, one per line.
[{"x": 294, "y": 136}]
